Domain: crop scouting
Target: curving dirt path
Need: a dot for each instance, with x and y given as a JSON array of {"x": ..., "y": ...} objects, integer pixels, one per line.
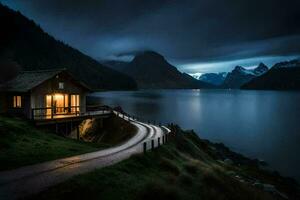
[{"x": 32, "y": 179}]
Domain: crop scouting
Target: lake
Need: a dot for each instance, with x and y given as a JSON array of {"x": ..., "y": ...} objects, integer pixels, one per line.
[{"x": 258, "y": 124}]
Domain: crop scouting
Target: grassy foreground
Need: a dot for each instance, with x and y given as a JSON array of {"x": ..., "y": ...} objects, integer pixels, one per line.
[
  {"x": 22, "y": 144},
  {"x": 185, "y": 168}
]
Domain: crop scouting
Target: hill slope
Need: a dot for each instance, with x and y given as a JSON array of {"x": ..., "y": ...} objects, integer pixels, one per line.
[
  {"x": 282, "y": 76},
  {"x": 25, "y": 43},
  {"x": 185, "y": 168},
  {"x": 152, "y": 71}
]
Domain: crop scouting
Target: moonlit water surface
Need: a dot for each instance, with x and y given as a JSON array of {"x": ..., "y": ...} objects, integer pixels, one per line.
[{"x": 259, "y": 124}]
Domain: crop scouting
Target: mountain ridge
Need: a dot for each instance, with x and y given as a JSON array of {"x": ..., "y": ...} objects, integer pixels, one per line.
[
  {"x": 212, "y": 78},
  {"x": 24, "y": 42},
  {"x": 240, "y": 75},
  {"x": 282, "y": 76},
  {"x": 152, "y": 71}
]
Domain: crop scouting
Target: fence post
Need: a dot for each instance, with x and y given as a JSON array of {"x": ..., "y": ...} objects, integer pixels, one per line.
[
  {"x": 152, "y": 145},
  {"x": 145, "y": 147}
]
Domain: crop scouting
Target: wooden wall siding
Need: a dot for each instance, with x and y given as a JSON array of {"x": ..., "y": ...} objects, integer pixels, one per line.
[
  {"x": 26, "y": 105},
  {"x": 83, "y": 102},
  {"x": 7, "y": 101},
  {"x": 52, "y": 86},
  {"x": 3, "y": 103}
]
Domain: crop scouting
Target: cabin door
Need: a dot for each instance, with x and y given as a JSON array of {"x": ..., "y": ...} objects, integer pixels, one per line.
[
  {"x": 57, "y": 104},
  {"x": 60, "y": 103}
]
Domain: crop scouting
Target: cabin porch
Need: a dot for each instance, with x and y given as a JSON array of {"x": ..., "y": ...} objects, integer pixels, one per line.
[{"x": 71, "y": 113}]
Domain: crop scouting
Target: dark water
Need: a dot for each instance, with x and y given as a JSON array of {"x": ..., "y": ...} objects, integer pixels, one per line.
[{"x": 259, "y": 124}]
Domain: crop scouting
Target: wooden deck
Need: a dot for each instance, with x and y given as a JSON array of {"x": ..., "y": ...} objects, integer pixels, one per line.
[{"x": 94, "y": 112}]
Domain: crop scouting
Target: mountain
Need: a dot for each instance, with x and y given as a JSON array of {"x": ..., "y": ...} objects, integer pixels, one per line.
[
  {"x": 25, "y": 43},
  {"x": 239, "y": 76},
  {"x": 213, "y": 78},
  {"x": 282, "y": 76},
  {"x": 260, "y": 69},
  {"x": 152, "y": 71},
  {"x": 195, "y": 75},
  {"x": 116, "y": 65}
]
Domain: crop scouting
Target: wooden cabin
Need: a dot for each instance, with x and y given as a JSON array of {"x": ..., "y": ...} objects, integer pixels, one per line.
[{"x": 44, "y": 94}]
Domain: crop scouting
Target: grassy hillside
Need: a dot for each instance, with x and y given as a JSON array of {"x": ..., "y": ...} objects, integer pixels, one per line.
[
  {"x": 185, "y": 168},
  {"x": 22, "y": 144},
  {"x": 25, "y": 43}
]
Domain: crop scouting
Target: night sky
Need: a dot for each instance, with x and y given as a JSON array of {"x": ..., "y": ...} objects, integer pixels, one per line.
[{"x": 195, "y": 35}]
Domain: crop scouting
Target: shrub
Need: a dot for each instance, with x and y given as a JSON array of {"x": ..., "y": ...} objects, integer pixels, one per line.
[
  {"x": 169, "y": 166},
  {"x": 191, "y": 168},
  {"x": 185, "y": 180},
  {"x": 158, "y": 191}
]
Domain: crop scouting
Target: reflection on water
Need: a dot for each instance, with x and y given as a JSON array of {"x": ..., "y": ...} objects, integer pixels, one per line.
[{"x": 260, "y": 124}]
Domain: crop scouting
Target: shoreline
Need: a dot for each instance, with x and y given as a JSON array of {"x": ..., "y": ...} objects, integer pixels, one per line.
[
  {"x": 236, "y": 158},
  {"x": 239, "y": 119},
  {"x": 215, "y": 162},
  {"x": 224, "y": 155}
]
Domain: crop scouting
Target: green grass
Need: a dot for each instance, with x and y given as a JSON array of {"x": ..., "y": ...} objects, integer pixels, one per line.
[
  {"x": 22, "y": 144},
  {"x": 182, "y": 169}
]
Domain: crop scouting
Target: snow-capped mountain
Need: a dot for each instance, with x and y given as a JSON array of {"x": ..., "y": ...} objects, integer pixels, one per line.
[
  {"x": 282, "y": 76},
  {"x": 196, "y": 75},
  {"x": 239, "y": 75},
  {"x": 260, "y": 69},
  {"x": 213, "y": 78}
]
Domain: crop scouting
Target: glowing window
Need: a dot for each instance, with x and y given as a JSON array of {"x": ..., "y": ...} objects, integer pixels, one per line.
[
  {"x": 17, "y": 102},
  {"x": 75, "y": 102}
]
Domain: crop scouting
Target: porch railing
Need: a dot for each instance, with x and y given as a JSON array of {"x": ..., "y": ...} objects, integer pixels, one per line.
[{"x": 64, "y": 112}]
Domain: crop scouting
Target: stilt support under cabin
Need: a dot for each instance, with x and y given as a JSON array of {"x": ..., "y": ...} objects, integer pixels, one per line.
[
  {"x": 56, "y": 128},
  {"x": 66, "y": 133},
  {"x": 77, "y": 132}
]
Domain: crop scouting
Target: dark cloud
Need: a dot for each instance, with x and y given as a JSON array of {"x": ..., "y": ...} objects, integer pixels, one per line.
[{"x": 183, "y": 31}]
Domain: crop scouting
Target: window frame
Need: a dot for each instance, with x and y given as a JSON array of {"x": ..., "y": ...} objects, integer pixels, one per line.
[
  {"x": 17, "y": 101},
  {"x": 61, "y": 85}
]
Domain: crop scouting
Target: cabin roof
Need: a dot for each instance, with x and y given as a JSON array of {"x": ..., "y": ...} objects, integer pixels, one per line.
[{"x": 27, "y": 80}]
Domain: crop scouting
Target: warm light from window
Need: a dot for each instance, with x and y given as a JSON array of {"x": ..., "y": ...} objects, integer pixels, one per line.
[
  {"x": 17, "y": 102},
  {"x": 75, "y": 102},
  {"x": 57, "y": 97}
]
